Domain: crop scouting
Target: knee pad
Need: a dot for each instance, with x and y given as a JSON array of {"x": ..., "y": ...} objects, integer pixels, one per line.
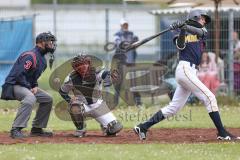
[
  {"x": 76, "y": 107},
  {"x": 77, "y": 111},
  {"x": 112, "y": 128}
]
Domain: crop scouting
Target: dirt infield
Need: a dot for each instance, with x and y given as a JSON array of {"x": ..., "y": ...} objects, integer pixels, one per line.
[{"x": 126, "y": 136}]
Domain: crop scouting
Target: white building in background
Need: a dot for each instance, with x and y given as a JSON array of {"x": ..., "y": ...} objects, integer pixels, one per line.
[
  {"x": 15, "y": 3},
  {"x": 83, "y": 27}
]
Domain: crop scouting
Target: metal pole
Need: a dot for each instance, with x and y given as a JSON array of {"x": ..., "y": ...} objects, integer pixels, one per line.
[
  {"x": 34, "y": 29},
  {"x": 107, "y": 34},
  {"x": 124, "y": 4},
  {"x": 230, "y": 54},
  {"x": 158, "y": 41},
  {"x": 106, "y": 42},
  {"x": 55, "y": 17},
  {"x": 217, "y": 29}
]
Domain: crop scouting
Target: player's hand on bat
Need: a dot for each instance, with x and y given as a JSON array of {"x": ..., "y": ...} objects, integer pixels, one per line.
[
  {"x": 177, "y": 24},
  {"x": 124, "y": 45}
]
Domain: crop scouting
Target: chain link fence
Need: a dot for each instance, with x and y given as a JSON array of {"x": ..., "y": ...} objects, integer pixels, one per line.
[
  {"x": 227, "y": 58},
  {"x": 87, "y": 28}
]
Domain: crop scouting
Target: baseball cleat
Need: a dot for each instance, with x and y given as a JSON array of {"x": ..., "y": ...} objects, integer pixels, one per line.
[
  {"x": 80, "y": 133},
  {"x": 140, "y": 132},
  {"x": 227, "y": 137},
  {"x": 16, "y": 133},
  {"x": 112, "y": 128},
  {"x": 39, "y": 132}
]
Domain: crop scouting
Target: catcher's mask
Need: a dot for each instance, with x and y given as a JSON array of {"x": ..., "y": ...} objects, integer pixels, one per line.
[
  {"x": 81, "y": 64},
  {"x": 50, "y": 41}
]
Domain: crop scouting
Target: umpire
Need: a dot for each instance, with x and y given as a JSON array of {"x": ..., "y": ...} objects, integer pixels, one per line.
[{"x": 21, "y": 84}]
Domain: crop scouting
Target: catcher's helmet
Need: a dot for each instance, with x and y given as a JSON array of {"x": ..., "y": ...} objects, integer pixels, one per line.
[
  {"x": 195, "y": 15},
  {"x": 47, "y": 36},
  {"x": 81, "y": 64}
]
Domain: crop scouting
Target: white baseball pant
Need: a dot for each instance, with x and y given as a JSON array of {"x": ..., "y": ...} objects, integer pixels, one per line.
[{"x": 188, "y": 82}]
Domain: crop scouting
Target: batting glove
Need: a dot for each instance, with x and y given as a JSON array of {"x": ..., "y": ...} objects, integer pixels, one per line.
[{"x": 176, "y": 25}]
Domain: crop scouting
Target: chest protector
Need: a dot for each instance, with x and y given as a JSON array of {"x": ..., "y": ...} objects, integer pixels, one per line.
[{"x": 85, "y": 85}]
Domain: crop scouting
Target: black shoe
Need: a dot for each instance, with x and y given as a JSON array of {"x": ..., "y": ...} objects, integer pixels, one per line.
[
  {"x": 140, "y": 132},
  {"x": 16, "y": 133},
  {"x": 227, "y": 136},
  {"x": 40, "y": 132},
  {"x": 112, "y": 128}
]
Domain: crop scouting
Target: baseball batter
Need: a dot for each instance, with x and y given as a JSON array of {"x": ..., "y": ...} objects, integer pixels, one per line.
[
  {"x": 190, "y": 43},
  {"x": 85, "y": 81}
]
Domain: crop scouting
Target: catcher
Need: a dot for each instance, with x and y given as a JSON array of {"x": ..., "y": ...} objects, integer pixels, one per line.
[{"x": 85, "y": 81}]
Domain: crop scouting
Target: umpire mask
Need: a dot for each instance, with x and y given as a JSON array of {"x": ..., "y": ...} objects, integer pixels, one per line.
[
  {"x": 50, "y": 40},
  {"x": 50, "y": 44}
]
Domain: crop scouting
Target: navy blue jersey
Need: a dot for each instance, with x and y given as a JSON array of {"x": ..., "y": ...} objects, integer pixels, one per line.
[
  {"x": 27, "y": 69},
  {"x": 193, "y": 49}
]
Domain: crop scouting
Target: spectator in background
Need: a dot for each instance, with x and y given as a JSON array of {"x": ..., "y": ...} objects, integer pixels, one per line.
[
  {"x": 124, "y": 35},
  {"x": 236, "y": 49},
  {"x": 208, "y": 73},
  {"x": 236, "y": 46},
  {"x": 121, "y": 37}
]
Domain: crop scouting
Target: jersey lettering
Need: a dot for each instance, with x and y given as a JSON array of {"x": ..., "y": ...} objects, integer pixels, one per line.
[{"x": 191, "y": 38}]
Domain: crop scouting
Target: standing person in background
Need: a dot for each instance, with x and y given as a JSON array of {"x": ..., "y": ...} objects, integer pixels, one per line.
[
  {"x": 208, "y": 73},
  {"x": 21, "y": 84},
  {"x": 236, "y": 49},
  {"x": 121, "y": 37},
  {"x": 236, "y": 46}
]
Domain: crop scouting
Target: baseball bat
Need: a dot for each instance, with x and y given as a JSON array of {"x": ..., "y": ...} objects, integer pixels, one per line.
[
  {"x": 126, "y": 47},
  {"x": 139, "y": 43}
]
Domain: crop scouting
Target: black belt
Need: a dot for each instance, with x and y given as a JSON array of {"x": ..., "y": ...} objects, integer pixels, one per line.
[{"x": 191, "y": 64}]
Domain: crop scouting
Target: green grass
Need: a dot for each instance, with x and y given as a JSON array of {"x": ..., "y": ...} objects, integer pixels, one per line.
[
  {"x": 124, "y": 152},
  {"x": 189, "y": 117}
]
